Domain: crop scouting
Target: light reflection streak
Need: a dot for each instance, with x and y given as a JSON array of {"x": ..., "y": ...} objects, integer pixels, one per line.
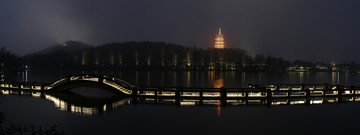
[
  {"x": 318, "y": 101},
  {"x": 218, "y": 110},
  {"x": 148, "y": 78},
  {"x": 218, "y": 83},
  {"x": 297, "y": 102},
  {"x": 188, "y": 78}
]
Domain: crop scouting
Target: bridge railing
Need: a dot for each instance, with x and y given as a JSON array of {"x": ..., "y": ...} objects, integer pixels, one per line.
[
  {"x": 201, "y": 92},
  {"x": 58, "y": 82},
  {"x": 124, "y": 83},
  {"x": 34, "y": 86},
  {"x": 85, "y": 78},
  {"x": 317, "y": 90},
  {"x": 268, "y": 90},
  {"x": 117, "y": 86},
  {"x": 296, "y": 86},
  {"x": 110, "y": 81}
]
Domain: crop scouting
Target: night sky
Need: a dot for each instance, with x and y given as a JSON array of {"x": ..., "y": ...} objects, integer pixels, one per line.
[{"x": 315, "y": 30}]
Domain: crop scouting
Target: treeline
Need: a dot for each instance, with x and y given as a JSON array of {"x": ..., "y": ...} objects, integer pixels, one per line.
[
  {"x": 151, "y": 56},
  {"x": 78, "y": 56},
  {"x": 139, "y": 56},
  {"x": 74, "y": 56},
  {"x": 9, "y": 64}
]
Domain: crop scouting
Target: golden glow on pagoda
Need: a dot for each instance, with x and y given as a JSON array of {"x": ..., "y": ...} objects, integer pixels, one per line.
[{"x": 219, "y": 40}]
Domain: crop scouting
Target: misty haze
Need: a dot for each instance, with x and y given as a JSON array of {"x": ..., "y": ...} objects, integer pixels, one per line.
[{"x": 179, "y": 67}]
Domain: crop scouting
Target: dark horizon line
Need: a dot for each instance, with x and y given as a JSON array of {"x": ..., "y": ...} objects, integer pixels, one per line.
[{"x": 170, "y": 43}]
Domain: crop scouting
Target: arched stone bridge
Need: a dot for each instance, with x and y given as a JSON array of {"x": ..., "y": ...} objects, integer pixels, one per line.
[
  {"x": 120, "y": 87},
  {"x": 112, "y": 84}
]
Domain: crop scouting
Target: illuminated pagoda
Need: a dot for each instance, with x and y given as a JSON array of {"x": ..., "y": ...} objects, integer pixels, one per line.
[{"x": 219, "y": 40}]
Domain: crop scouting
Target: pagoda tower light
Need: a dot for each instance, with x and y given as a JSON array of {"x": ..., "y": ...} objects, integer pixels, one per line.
[{"x": 219, "y": 40}]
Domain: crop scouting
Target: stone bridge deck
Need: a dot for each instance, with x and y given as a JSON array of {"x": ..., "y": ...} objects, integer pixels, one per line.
[{"x": 120, "y": 87}]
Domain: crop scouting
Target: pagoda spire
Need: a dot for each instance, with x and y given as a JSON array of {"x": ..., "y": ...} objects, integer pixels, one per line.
[{"x": 219, "y": 40}]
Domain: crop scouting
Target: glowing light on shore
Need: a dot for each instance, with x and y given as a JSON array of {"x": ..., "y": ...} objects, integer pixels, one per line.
[{"x": 332, "y": 64}]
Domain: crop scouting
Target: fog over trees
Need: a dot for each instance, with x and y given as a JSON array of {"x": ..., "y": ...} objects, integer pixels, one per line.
[{"x": 76, "y": 56}]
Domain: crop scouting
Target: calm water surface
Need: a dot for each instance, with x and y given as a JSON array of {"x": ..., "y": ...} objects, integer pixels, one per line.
[
  {"x": 217, "y": 79},
  {"x": 124, "y": 117}
]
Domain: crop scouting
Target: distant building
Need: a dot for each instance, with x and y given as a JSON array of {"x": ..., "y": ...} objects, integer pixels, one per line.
[{"x": 219, "y": 40}]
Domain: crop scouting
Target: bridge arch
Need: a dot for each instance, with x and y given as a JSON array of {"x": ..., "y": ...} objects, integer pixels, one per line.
[{"x": 112, "y": 84}]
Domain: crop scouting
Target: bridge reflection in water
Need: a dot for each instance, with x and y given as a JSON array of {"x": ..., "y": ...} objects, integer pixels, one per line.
[
  {"x": 87, "y": 106},
  {"x": 268, "y": 95}
]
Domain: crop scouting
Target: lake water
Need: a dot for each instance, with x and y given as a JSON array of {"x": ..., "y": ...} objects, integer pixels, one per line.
[
  {"x": 93, "y": 111},
  {"x": 218, "y": 79}
]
